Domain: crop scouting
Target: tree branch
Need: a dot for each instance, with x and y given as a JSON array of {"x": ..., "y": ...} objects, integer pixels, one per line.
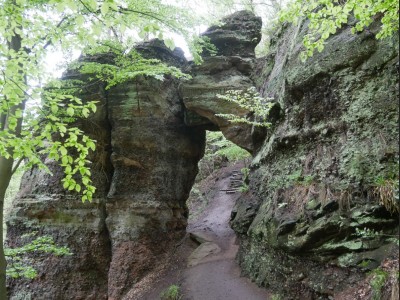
[
  {"x": 16, "y": 166},
  {"x": 146, "y": 14}
]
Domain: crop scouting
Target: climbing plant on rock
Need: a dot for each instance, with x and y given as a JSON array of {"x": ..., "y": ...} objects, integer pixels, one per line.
[{"x": 18, "y": 265}]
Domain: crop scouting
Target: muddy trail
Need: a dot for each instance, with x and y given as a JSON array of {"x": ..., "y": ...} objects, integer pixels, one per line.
[
  {"x": 212, "y": 272},
  {"x": 204, "y": 265}
]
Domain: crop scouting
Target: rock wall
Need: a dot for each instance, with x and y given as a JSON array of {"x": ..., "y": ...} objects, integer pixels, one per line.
[
  {"x": 43, "y": 206},
  {"x": 321, "y": 172},
  {"x": 144, "y": 167}
]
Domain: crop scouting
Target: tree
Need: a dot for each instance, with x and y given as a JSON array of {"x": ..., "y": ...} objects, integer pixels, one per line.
[
  {"x": 327, "y": 16},
  {"x": 35, "y": 111}
]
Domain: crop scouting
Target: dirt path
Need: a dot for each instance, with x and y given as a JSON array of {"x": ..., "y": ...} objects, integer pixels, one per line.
[
  {"x": 206, "y": 269},
  {"x": 213, "y": 273}
]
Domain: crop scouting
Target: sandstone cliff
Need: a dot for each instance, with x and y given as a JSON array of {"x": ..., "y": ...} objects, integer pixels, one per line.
[
  {"x": 313, "y": 179},
  {"x": 318, "y": 178}
]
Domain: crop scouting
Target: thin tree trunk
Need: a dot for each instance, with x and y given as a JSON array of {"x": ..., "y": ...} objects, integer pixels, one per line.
[
  {"x": 5, "y": 177},
  {"x": 6, "y": 165}
]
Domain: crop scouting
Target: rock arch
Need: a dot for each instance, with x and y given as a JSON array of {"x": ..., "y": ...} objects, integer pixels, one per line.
[{"x": 151, "y": 135}]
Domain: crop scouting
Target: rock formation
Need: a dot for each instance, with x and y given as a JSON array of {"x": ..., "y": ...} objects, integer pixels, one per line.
[
  {"x": 144, "y": 167},
  {"x": 318, "y": 179},
  {"x": 229, "y": 69},
  {"x": 312, "y": 180},
  {"x": 148, "y": 147}
]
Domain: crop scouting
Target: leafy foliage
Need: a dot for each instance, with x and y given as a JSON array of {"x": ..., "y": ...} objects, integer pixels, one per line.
[
  {"x": 218, "y": 145},
  {"x": 218, "y": 152},
  {"x": 171, "y": 293},
  {"x": 250, "y": 100},
  {"x": 29, "y": 30},
  {"x": 123, "y": 66},
  {"x": 327, "y": 16},
  {"x": 18, "y": 264}
]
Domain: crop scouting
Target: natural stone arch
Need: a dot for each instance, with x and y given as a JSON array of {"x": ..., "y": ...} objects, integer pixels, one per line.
[{"x": 151, "y": 135}]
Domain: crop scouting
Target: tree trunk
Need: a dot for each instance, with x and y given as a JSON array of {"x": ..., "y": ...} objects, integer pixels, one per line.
[
  {"x": 5, "y": 177},
  {"x": 6, "y": 165}
]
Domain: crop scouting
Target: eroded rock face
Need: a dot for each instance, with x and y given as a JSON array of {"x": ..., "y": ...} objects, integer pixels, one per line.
[
  {"x": 45, "y": 207},
  {"x": 229, "y": 69},
  {"x": 217, "y": 75},
  {"x": 311, "y": 181},
  {"x": 314, "y": 181},
  {"x": 237, "y": 35},
  {"x": 144, "y": 167},
  {"x": 155, "y": 163}
]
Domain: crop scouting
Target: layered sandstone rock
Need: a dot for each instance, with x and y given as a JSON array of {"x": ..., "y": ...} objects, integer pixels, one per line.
[
  {"x": 229, "y": 69},
  {"x": 144, "y": 167},
  {"x": 316, "y": 180},
  {"x": 313, "y": 181}
]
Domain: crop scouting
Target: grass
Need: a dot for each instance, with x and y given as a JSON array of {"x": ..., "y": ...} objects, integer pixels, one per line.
[
  {"x": 173, "y": 292},
  {"x": 378, "y": 281},
  {"x": 387, "y": 191}
]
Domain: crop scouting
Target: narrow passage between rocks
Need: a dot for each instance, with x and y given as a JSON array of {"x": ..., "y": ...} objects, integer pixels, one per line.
[
  {"x": 205, "y": 269},
  {"x": 212, "y": 272}
]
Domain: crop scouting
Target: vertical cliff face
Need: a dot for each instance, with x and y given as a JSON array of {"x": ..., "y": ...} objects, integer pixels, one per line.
[
  {"x": 155, "y": 163},
  {"x": 144, "y": 167},
  {"x": 43, "y": 206},
  {"x": 320, "y": 175}
]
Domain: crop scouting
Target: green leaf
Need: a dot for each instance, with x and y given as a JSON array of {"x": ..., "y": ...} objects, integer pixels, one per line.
[
  {"x": 70, "y": 111},
  {"x": 85, "y": 112},
  {"x": 71, "y": 186},
  {"x": 64, "y": 160},
  {"x": 65, "y": 184},
  {"x": 63, "y": 151},
  {"x": 80, "y": 20},
  {"x": 170, "y": 43},
  {"x": 62, "y": 128},
  {"x": 104, "y": 8},
  {"x": 91, "y": 145},
  {"x": 54, "y": 108}
]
